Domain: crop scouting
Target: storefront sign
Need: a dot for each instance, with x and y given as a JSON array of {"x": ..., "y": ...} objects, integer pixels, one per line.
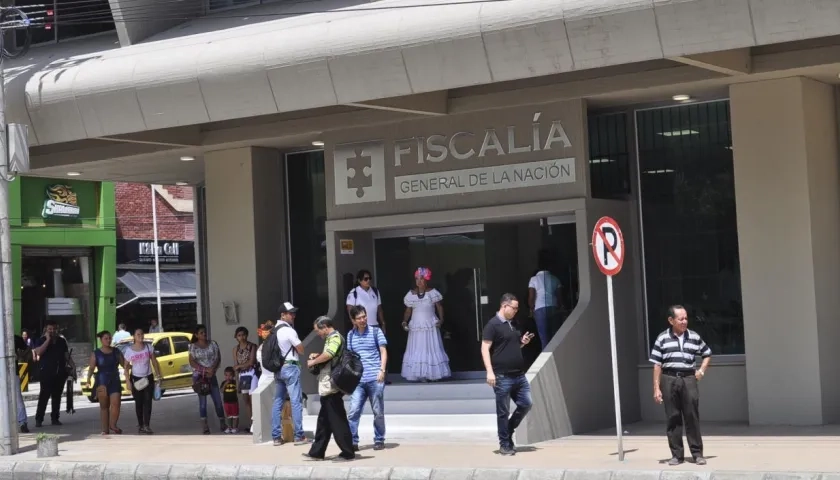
[
  {"x": 143, "y": 251},
  {"x": 547, "y": 172},
  {"x": 61, "y": 202},
  {"x": 425, "y": 165}
]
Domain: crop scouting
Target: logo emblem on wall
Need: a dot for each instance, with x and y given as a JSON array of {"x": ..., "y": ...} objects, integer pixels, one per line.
[
  {"x": 359, "y": 172},
  {"x": 61, "y": 202}
]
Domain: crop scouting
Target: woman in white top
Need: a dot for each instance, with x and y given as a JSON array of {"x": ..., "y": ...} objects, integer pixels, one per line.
[
  {"x": 424, "y": 357},
  {"x": 142, "y": 368},
  {"x": 543, "y": 298}
]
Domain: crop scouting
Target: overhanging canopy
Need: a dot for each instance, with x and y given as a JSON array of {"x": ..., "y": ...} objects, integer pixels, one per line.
[
  {"x": 372, "y": 51},
  {"x": 175, "y": 287}
]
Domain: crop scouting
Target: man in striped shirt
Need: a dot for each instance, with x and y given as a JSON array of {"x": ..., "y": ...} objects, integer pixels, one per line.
[{"x": 675, "y": 378}]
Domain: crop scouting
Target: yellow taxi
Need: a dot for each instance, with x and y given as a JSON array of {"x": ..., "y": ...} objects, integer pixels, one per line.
[{"x": 172, "y": 352}]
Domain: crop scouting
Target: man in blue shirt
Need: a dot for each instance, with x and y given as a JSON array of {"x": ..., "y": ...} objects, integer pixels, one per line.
[{"x": 369, "y": 342}]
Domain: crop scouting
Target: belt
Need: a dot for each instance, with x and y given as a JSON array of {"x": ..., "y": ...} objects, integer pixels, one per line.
[
  {"x": 678, "y": 373},
  {"x": 292, "y": 362}
]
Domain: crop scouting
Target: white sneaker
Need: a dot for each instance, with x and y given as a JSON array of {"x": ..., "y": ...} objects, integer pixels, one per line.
[
  {"x": 229, "y": 430},
  {"x": 234, "y": 430}
]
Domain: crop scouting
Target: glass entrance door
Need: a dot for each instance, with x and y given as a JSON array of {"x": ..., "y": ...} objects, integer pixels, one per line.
[{"x": 457, "y": 260}]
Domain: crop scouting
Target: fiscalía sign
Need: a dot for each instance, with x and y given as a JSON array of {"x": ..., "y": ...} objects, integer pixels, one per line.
[{"x": 61, "y": 201}]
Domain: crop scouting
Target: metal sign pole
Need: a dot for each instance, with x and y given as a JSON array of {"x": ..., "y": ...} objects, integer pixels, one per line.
[{"x": 614, "y": 350}]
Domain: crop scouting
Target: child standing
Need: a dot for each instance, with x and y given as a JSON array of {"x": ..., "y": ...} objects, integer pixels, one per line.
[{"x": 230, "y": 398}]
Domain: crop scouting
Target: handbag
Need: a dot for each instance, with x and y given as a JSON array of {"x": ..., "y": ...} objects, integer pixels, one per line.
[
  {"x": 201, "y": 385},
  {"x": 245, "y": 382},
  {"x": 141, "y": 384}
]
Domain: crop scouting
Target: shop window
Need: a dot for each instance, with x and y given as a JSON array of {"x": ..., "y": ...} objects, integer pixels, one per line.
[
  {"x": 182, "y": 344},
  {"x": 63, "y": 20},
  {"x": 56, "y": 285},
  {"x": 162, "y": 348},
  {"x": 307, "y": 213},
  {"x": 687, "y": 197},
  {"x": 609, "y": 156}
]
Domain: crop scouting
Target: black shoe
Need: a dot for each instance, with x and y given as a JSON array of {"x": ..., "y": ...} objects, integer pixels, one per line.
[
  {"x": 342, "y": 458},
  {"x": 355, "y": 448},
  {"x": 39, "y": 423},
  {"x": 675, "y": 461},
  {"x": 379, "y": 446},
  {"x": 699, "y": 460},
  {"x": 507, "y": 451},
  {"x": 56, "y": 423},
  {"x": 24, "y": 428},
  {"x": 310, "y": 457},
  {"x": 278, "y": 442}
]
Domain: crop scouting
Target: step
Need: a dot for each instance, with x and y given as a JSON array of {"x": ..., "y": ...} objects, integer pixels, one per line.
[
  {"x": 420, "y": 407},
  {"x": 473, "y": 428}
]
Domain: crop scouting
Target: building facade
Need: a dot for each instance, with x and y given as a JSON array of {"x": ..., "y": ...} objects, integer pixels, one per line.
[
  {"x": 136, "y": 282},
  {"x": 63, "y": 257},
  {"x": 334, "y": 139}
]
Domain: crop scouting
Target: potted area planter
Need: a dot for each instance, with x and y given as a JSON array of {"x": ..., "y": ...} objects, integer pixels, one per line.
[{"x": 47, "y": 445}]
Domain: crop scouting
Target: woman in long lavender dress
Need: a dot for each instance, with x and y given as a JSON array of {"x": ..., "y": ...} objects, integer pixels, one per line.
[{"x": 424, "y": 359}]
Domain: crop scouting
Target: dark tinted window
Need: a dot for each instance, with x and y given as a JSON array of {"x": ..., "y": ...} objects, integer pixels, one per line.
[
  {"x": 182, "y": 344},
  {"x": 307, "y": 216},
  {"x": 690, "y": 232},
  {"x": 162, "y": 347},
  {"x": 609, "y": 156}
]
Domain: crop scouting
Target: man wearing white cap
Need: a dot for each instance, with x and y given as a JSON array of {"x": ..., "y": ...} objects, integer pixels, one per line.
[{"x": 288, "y": 378}]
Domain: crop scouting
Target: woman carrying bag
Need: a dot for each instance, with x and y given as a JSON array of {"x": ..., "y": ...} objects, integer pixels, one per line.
[{"x": 141, "y": 369}]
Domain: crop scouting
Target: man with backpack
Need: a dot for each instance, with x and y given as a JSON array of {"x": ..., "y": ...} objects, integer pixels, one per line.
[
  {"x": 370, "y": 343},
  {"x": 337, "y": 370},
  {"x": 280, "y": 357}
]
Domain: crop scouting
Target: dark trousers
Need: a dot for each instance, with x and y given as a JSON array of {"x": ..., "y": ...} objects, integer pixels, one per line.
[
  {"x": 332, "y": 420},
  {"x": 143, "y": 400},
  {"x": 52, "y": 386},
  {"x": 682, "y": 406},
  {"x": 516, "y": 388}
]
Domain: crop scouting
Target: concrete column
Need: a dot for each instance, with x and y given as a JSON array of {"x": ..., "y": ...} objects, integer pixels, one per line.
[
  {"x": 787, "y": 190},
  {"x": 246, "y": 253}
]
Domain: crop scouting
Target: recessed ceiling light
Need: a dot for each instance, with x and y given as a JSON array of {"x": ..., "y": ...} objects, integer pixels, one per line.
[
  {"x": 681, "y": 98},
  {"x": 73, "y": 174},
  {"x": 181, "y": 184},
  {"x": 187, "y": 158},
  {"x": 318, "y": 143}
]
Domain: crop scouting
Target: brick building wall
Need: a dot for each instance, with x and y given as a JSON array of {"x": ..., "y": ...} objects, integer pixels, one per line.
[{"x": 134, "y": 213}]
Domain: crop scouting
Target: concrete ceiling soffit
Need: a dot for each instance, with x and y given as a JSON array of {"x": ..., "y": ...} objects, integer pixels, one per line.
[
  {"x": 730, "y": 62},
  {"x": 432, "y": 104},
  {"x": 361, "y": 57}
]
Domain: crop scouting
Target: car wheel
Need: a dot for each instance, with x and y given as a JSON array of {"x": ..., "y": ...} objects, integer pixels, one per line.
[{"x": 92, "y": 399}]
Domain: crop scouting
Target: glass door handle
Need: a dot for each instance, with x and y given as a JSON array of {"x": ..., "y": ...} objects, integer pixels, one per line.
[{"x": 477, "y": 302}]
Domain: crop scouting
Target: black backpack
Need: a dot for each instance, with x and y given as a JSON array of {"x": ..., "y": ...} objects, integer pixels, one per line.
[
  {"x": 272, "y": 357},
  {"x": 347, "y": 369}
]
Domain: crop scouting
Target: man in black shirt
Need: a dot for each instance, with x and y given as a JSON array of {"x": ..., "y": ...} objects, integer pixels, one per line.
[
  {"x": 53, "y": 355},
  {"x": 501, "y": 350}
]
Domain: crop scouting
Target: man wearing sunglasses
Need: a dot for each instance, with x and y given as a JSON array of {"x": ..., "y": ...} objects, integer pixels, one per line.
[
  {"x": 501, "y": 351},
  {"x": 364, "y": 294}
]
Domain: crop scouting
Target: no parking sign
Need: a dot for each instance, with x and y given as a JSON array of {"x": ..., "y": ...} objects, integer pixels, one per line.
[
  {"x": 608, "y": 249},
  {"x": 608, "y": 246}
]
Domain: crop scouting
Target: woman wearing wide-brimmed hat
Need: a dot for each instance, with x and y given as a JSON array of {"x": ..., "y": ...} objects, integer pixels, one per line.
[{"x": 425, "y": 358}]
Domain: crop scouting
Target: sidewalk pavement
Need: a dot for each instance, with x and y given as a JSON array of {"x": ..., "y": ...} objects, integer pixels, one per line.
[{"x": 179, "y": 451}]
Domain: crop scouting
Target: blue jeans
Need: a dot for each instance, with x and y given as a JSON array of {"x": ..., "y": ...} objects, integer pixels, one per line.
[
  {"x": 287, "y": 380},
  {"x": 216, "y": 395},
  {"x": 375, "y": 392},
  {"x": 544, "y": 317},
  {"x": 511, "y": 387}
]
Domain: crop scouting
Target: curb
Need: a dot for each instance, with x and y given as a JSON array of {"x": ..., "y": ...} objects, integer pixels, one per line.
[{"x": 37, "y": 470}]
